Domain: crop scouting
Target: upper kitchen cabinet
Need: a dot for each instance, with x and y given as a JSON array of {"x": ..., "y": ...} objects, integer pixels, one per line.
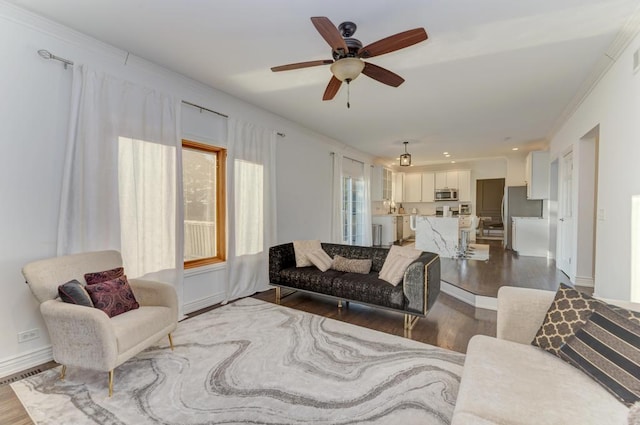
[
  {"x": 537, "y": 175},
  {"x": 428, "y": 187},
  {"x": 398, "y": 187},
  {"x": 380, "y": 183},
  {"x": 464, "y": 186},
  {"x": 446, "y": 179},
  {"x": 413, "y": 187}
]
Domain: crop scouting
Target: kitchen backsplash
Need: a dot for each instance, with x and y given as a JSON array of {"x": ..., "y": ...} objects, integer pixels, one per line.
[{"x": 423, "y": 208}]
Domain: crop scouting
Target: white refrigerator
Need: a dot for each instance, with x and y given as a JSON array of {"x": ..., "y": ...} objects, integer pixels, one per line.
[{"x": 516, "y": 204}]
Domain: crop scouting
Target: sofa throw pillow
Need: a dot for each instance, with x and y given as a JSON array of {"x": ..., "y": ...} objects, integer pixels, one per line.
[
  {"x": 607, "y": 348},
  {"x": 73, "y": 292},
  {"x": 320, "y": 259},
  {"x": 302, "y": 248},
  {"x": 568, "y": 312},
  {"x": 351, "y": 265},
  {"x": 397, "y": 261},
  {"x": 113, "y": 296},
  {"x": 103, "y": 276}
]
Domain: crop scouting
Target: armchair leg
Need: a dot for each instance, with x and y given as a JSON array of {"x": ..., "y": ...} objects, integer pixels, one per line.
[
  {"x": 110, "y": 382},
  {"x": 170, "y": 342},
  {"x": 63, "y": 372}
]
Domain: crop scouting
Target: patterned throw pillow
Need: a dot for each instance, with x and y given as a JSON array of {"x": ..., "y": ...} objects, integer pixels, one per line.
[
  {"x": 98, "y": 277},
  {"x": 320, "y": 259},
  {"x": 568, "y": 312},
  {"x": 607, "y": 348},
  {"x": 351, "y": 265},
  {"x": 113, "y": 296},
  {"x": 397, "y": 261},
  {"x": 302, "y": 248},
  {"x": 73, "y": 292}
]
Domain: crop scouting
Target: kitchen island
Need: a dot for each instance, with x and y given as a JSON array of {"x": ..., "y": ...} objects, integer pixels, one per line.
[{"x": 437, "y": 234}]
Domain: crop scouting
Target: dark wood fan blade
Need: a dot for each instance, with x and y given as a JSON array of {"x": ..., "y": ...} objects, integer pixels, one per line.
[
  {"x": 383, "y": 75},
  {"x": 393, "y": 43},
  {"x": 330, "y": 33},
  {"x": 301, "y": 65},
  {"x": 332, "y": 88}
]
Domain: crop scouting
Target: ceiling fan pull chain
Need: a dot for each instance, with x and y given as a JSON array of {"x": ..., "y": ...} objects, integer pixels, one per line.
[{"x": 348, "y": 94}]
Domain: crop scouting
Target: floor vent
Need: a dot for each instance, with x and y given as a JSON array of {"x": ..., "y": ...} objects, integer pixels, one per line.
[{"x": 18, "y": 376}]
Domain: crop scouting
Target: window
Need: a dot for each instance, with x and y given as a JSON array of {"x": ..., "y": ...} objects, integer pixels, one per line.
[
  {"x": 352, "y": 210},
  {"x": 203, "y": 171}
]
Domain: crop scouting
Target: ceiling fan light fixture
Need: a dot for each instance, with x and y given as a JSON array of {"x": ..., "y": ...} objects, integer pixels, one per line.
[
  {"x": 405, "y": 158},
  {"x": 347, "y": 69}
]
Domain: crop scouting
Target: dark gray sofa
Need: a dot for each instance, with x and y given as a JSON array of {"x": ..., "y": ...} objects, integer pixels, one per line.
[{"x": 414, "y": 296}]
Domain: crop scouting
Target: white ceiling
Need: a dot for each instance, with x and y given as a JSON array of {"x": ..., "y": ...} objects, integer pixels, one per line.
[{"x": 493, "y": 75}]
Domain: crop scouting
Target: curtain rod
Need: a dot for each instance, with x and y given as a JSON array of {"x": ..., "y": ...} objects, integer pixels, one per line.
[
  {"x": 48, "y": 55},
  {"x": 202, "y": 108}
]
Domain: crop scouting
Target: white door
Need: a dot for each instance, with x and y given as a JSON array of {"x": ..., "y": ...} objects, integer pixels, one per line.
[{"x": 565, "y": 216}]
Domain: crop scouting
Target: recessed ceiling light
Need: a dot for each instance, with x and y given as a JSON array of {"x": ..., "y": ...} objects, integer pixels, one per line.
[
  {"x": 514, "y": 149},
  {"x": 453, "y": 162},
  {"x": 445, "y": 153},
  {"x": 398, "y": 159}
]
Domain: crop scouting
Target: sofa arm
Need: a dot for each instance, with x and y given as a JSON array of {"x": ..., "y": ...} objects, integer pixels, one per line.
[
  {"x": 280, "y": 258},
  {"x": 153, "y": 293},
  {"x": 421, "y": 283},
  {"x": 80, "y": 336},
  {"x": 521, "y": 312}
]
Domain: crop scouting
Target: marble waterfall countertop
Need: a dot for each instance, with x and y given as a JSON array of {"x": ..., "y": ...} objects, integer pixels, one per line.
[{"x": 437, "y": 234}]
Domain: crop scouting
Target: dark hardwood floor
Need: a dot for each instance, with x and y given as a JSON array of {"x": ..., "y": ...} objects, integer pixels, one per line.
[{"x": 504, "y": 268}]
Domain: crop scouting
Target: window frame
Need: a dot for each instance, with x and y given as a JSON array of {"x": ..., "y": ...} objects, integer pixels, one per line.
[{"x": 221, "y": 203}]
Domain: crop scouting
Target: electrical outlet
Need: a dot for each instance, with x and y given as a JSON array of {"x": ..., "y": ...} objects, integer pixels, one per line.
[{"x": 28, "y": 335}]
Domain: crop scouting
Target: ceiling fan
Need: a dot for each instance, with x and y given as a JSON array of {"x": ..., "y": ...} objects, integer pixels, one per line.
[{"x": 348, "y": 54}]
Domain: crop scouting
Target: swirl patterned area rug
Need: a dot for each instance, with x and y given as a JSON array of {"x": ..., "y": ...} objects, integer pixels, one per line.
[{"x": 259, "y": 363}]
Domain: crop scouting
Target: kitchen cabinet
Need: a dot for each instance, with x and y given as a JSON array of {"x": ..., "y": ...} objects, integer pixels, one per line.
[
  {"x": 446, "y": 180},
  {"x": 428, "y": 187},
  {"x": 537, "y": 175},
  {"x": 398, "y": 187},
  {"x": 380, "y": 183},
  {"x": 412, "y": 187},
  {"x": 530, "y": 236},
  {"x": 464, "y": 186}
]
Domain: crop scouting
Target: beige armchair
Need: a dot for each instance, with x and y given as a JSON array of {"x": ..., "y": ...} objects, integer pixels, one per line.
[{"x": 86, "y": 337}]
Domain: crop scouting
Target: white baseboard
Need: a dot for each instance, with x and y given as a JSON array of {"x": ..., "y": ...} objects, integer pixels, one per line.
[
  {"x": 478, "y": 301},
  {"x": 203, "y": 303},
  {"x": 585, "y": 281},
  {"x": 25, "y": 361}
]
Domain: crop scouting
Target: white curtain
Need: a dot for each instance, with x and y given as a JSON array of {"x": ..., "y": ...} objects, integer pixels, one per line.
[
  {"x": 122, "y": 186},
  {"x": 336, "y": 200},
  {"x": 251, "y": 181},
  {"x": 367, "y": 238}
]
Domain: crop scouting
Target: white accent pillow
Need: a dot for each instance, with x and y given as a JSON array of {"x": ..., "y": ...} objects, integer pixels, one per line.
[
  {"x": 302, "y": 248},
  {"x": 397, "y": 262},
  {"x": 320, "y": 259}
]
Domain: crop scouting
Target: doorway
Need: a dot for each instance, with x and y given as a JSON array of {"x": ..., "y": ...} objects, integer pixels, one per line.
[
  {"x": 565, "y": 214},
  {"x": 489, "y": 197}
]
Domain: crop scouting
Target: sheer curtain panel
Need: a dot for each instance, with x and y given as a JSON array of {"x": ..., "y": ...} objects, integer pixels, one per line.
[
  {"x": 336, "y": 200},
  {"x": 122, "y": 185},
  {"x": 251, "y": 180}
]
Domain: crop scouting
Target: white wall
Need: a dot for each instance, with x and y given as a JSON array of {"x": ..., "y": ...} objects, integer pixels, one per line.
[
  {"x": 34, "y": 113},
  {"x": 614, "y": 105}
]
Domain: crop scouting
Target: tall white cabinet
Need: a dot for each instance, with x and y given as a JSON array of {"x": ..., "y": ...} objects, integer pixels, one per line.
[
  {"x": 381, "y": 183},
  {"x": 537, "y": 175}
]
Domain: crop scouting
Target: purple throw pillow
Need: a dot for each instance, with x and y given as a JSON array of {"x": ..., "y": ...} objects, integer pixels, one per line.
[
  {"x": 99, "y": 277},
  {"x": 113, "y": 296}
]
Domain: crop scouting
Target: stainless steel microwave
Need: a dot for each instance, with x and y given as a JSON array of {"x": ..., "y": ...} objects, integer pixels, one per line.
[{"x": 446, "y": 195}]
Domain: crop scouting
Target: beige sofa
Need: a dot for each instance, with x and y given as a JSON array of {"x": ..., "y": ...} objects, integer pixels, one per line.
[{"x": 506, "y": 380}]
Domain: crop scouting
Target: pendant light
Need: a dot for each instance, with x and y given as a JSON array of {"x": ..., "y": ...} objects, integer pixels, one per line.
[{"x": 405, "y": 158}]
